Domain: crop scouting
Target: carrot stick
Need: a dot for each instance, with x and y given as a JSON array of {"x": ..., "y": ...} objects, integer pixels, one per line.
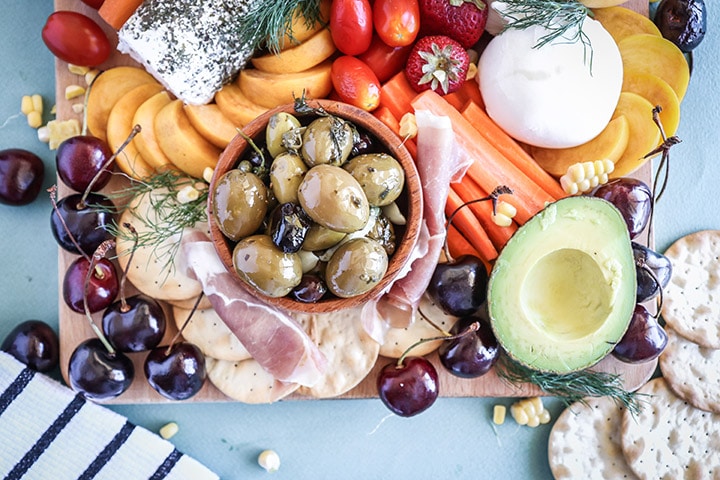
[
  {"x": 468, "y": 190},
  {"x": 396, "y": 94},
  {"x": 116, "y": 12},
  {"x": 468, "y": 91},
  {"x": 489, "y": 167},
  {"x": 470, "y": 227},
  {"x": 511, "y": 149},
  {"x": 458, "y": 244},
  {"x": 384, "y": 114}
]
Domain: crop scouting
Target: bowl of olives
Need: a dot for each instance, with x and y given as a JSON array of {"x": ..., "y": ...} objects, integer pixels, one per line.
[{"x": 315, "y": 206}]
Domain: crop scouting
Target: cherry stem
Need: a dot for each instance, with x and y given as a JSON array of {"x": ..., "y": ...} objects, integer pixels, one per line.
[
  {"x": 124, "y": 307},
  {"x": 433, "y": 324},
  {"x": 641, "y": 264},
  {"x": 135, "y": 130},
  {"x": 185, "y": 323},
  {"x": 100, "y": 253},
  {"x": 53, "y": 199},
  {"x": 473, "y": 327}
]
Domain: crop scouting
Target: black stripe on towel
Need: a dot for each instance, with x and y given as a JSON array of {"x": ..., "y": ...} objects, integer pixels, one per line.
[
  {"x": 164, "y": 469},
  {"x": 46, "y": 438},
  {"x": 15, "y": 388},
  {"x": 108, "y": 452}
]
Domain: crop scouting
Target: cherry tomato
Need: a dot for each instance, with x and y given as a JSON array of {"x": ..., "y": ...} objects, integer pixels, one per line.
[
  {"x": 93, "y": 3},
  {"x": 351, "y": 25},
  {"x": 355, "y": 83},
  {"x": 385, "y": 60},
  {"x": 397, "y": 22},
  {"x": 76, "y": 39}
]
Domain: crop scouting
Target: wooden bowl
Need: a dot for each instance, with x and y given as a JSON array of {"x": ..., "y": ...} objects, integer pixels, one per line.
[{"x": 410, "y": 201}]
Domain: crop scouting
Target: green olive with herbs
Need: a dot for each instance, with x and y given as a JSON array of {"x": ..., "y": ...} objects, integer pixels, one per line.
[
  {"x": 321, "y": 238},
  {"x": 240, "y": 203},
  {"x": 286, "y": 173},
  {"x": 261, "y": 264},
  {"x": 380, "y": 175},
  {"x": 327, "y": 140},
  {"x": 334, "y": 199},
  {"x": 356, "y": 267},
  {"x": 279, "y": 124}
]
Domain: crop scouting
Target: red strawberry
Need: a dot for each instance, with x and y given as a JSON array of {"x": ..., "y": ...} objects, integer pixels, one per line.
[
  {"x": 437, "y": 62},
  {"x": 462, "y": 20}
]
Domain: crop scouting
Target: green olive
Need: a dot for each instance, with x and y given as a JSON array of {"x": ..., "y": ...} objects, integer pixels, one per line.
[
  {"x": 327, "y": 140},
  {"x": 279, "y": 124},
  {"x": 356, "y": 267},
  {"x": 240, "y": 203},
  {"x": 383, "y": 231},
  {"x": 321, "y": 238},
  {"x": 334, "y": 199},
  {"x": 380, "y": 175},
  {"x": 286, "y": 173},
  {"x": 261, "y": 264}
]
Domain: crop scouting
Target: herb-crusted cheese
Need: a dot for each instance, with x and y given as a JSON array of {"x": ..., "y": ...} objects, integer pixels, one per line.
[{"x": 190, "y": 46}]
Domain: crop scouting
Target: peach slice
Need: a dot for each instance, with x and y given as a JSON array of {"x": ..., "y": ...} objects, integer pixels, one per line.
[
  {"x": 311, "y": 52},
  {"x": 299, "y": 30},
  {"x": 610, "y": 144},
  {"x": 658, "y": 92},
  {"x": 601, "y": 3},
  {"x": 146, "y": 140},
  {"x": 644, "y": 134},
  {"x": 621, "y": 22},
  {"x": 270, "y": 90},
  {"x": 211, "y": 123},
  {"x": 658, "y": 56},
  {"x": 233, "y": 103}
]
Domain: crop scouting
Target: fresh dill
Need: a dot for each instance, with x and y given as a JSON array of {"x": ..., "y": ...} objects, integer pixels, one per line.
[{"x": 571, "y": 387}]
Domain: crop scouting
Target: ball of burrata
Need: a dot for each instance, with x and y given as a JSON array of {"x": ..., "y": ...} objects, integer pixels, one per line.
[{"x": 558, "y": 95}]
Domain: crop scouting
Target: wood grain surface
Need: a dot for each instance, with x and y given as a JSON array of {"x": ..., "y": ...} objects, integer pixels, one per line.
[{"x": 74, "y": 328}]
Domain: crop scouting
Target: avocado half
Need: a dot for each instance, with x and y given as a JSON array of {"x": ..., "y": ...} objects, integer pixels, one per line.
[{"x": 562, "y": 292}]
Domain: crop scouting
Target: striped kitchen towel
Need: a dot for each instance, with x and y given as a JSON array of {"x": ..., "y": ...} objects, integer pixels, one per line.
[{"x": 48, "y": 432}]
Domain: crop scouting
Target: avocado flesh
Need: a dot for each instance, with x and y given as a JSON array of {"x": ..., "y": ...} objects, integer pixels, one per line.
[{"x": 562, "y": 291}]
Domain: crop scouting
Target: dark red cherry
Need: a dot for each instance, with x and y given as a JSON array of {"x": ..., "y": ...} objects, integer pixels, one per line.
[
  {"x": 21, "y": 176},
  {"x": 633, "y": 198},
  {"x": 79, "y": 159},
  {"x": 176, "y": 373},
  {"x": 136, "y": 326},
  {"x": 34, "y": 343},
  {"x": 98, "y": 374},
  {"x": 87, "y": 222},
  {"x": 459, "y": 287},
  {"x": 102, "y": 288},
  {"x": 473, "y": 354},
  {"x": 654, "y": 271},
  {"x": 410, "y": 388},
  {"x": 644, "y": 340}
]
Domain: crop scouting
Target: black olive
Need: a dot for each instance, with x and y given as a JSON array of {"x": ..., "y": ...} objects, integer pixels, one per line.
[
  {"x": 288, "y": 226},
  {"x": 310, "y": 290},
  {"x": 683, "y": 22}
]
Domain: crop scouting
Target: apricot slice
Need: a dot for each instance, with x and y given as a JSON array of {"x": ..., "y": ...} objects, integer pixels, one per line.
[
  {"x": 610, "y": 144},
  {"x": 655, "y": 55},
  {"x": 621, "y": 22},
  {"x": 211, "y": 123},
  {"x": 658, "y": 92},
  {"x": 644, "y": 134},
  {"x": 233, "y": 103},
  {"x": 120, "y": 124},
  {"x": 311, "y": 52},
  {"x": 601, "y": 3},
  {"x": 270, "y": 90},
  {"x": 146, "y": 140},
  {"x": 300, "y": 30}
]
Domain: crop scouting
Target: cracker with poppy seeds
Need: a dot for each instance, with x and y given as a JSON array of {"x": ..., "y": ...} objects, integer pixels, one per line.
[
  {"x": 692, "y": 371},
  {"x": 246, "y": 381},
  {"x": 210, "y": 333},
  {"x": 692, "y": 297}
]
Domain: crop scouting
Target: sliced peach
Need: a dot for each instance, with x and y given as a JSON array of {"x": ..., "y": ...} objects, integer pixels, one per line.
[
  {"x": 658, "y": 92},
  {"x": 272, "y": 89},
  {"x": 182, "y": 144},
  {"x": 233, "y": 103},
  {"x": 311, "y": 52},
  {"x": 300, "y": 29},
  {"x": 610, "y": 144},
  {"x": 644, "y": 134},
  {"x": 601, "y": 3},
  {"x": 106, "y": 90},
  {"x": 146, "y": 140},
  {"x": 658, "y": 56},
  {"x": 621, "y": 22},
  {"x": 120, "y": 124},
  {"x": 211, "y": 123}
]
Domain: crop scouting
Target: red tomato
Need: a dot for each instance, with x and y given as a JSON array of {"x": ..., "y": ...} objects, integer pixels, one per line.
[
  {"x": 385, "y": 60},
  {"x": 397, "y": 22},
  {"x": 351, "y": 25},
  {"x": 94, "y": 3},
  {"x": 355, "y": 83},
  {"x": 76, "y": 39}
]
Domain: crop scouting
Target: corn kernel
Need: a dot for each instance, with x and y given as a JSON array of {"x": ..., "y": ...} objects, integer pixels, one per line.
[
  {"x": 43, "y": 134},
  {"x": 536, "y": 403},
  {"x": 501, "y": 220},
  {"x": 53, "y": 110},
  {"x": 506, "y": 208},
  {"x": 169, "y": 430},
  {"x": 576, "y": 172},
  {"x": 408, "y": 126},
  {"x": 37, "y": 103},
  {"x": 269, "y": 460},
  {"x": 519, "y": 414},
  {"x": 499, "y": 412},
  {"x": 34, "y": 119},
  {"x": 187, "y": 194},
  {"x": 73, "y": 91},
  {"x": 78, "y": 107},
  {"x": 90, "y": 75},
  {"x": 77, "y": 69},
  {"x": 471, "y": 71},
  {"x": 609, "y": 165},
  {"x": 544, "y": 417},
  {"x": 530, "y": 412},
  {"x": 589, "y": 168},
  {"x": 568, "y": 185},
  {"x": 26, "y": 105},
  {"x": 207, "y": 174}
]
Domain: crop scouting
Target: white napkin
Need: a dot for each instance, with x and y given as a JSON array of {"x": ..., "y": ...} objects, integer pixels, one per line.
[{"x": 47, "y": 431}]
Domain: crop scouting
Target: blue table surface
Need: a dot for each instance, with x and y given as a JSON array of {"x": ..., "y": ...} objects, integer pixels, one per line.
[{"x": 328, "y": 438}]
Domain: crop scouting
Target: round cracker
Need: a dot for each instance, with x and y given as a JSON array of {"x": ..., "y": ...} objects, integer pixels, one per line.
[
  {"x": 398, "y": 340},
  {"x": 585, "y": 442},
  {"x": 246, "y": 381},
  {"x": 190, "y": 303},
  {"x": 350, "y": 352},
  {"x": 670, "y": 438},
  {"x": 692, "y": 298},
  {"x": 208, "y": 331},
  {"x": 692, "y": 371}
]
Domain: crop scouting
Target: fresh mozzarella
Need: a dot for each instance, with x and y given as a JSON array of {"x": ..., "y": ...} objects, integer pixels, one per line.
[{"x": 558, "y": 95}]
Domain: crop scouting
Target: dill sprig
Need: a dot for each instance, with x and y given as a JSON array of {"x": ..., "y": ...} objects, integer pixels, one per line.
[
  {"x": 571, "y": 387},
  {"x": 267, "y": 22},
  {"x": 563, "y": 19}
]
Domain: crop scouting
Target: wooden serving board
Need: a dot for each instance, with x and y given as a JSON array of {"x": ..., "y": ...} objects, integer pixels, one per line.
[{"x": 74, "y": 327}]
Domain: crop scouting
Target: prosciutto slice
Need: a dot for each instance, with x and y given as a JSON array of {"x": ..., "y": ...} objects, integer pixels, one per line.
[{"x": 274, "y": 340}]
